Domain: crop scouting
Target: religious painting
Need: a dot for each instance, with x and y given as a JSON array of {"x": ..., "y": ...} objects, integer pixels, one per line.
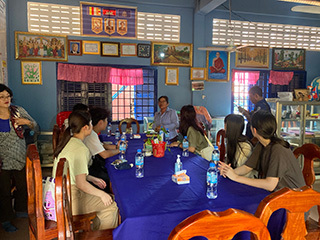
[
  {"x": 106, "y": 20},
  {"x": 288, "y": 59},
  {"x": 252, "y": 57},
  {"x": 218, "y": 66},
  {"x": 31, "y": 72},
  {"x": 75, "y": 47},
  {"x": 171, "y": 54},
  {"x": 45, "y": 47}
]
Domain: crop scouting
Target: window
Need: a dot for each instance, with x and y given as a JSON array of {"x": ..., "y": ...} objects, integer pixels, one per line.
[
  {"x": 265, "y": 34},
  {"x": 123, "y": 101},
  {"x": 64, "y": 19}
]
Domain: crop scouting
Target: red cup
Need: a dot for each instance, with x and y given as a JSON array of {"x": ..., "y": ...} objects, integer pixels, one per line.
[{"x": 158, "y": 149}]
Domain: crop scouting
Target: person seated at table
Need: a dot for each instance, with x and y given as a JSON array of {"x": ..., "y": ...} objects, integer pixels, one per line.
[
  {"x": 189, "y": 127},
  {"x": 85, "y": 197},
  {"x": 166, "y": 118},
  {"x": 238, "y": 146},
  {"x": 98, "y": 150},
  {"x": 272, "y": 158}
]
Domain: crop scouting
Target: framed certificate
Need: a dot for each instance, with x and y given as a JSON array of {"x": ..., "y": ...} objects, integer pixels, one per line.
[
  {"x": 110, "y": 49},
  {"x": 128, "y": 49},
  {"x": 172, "y": 76},
  {"x": 91, "y": 47}
]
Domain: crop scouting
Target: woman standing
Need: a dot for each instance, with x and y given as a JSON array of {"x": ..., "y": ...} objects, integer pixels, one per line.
[
  {"x": 13, "y": 155},
  {"x": 238, "y": 147},
  {"x": 85, "y": 197}
]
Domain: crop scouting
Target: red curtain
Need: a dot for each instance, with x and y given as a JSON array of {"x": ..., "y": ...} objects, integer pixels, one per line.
[
  {"x": 280, "y": 78},
  {"x": 248, "y": 77},
  {"x": 126, "y": 76}
]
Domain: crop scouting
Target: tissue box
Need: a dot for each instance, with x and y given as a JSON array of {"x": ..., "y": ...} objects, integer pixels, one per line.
[{"x": 181, "y": 177}]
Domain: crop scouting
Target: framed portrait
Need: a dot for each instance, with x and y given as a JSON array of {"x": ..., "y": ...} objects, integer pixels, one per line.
[
  {"x": 41, "y": 47},
  {"x": 252, "y": 57},
  {"x": 75, "y": 47},
  {"x": 110, "y": 49},
  {"x": 91, "y": 47},
  {"x": 288, "y": 59},
  {"x": 31, "y": 72},
  {"x": 172, "y": 76},
  {"x": 197, "y": 85},
  {"x": 218, "y": 66},
  {"x": 198, "y": 74},
  {"x": 128, "y": 49},
  {"x": 143, "y": 50},
  {"x": 171, "y": 54}
]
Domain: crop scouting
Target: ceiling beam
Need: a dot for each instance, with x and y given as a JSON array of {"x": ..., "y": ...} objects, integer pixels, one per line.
[{"x": 206, "y": 6}]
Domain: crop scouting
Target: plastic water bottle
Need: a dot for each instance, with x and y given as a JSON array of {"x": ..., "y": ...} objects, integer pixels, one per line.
[
  {"x": 122, "y": 148},
  {"x": 109, "y": 130},
  {"x": 212, "y": 181},
  {"x": 166, "y": 136},
  {"x": 177, "y": 165},
  {"x": 117, "y": 134},
  {"x": 139, "y": 164},
  {"x": 124, "y": 136},
  {"x": 131, "y": 133},
  {"x": 161, "y": 135},
  {"x": 185, "y": 147},
  {"x": 215, "y": 155}
]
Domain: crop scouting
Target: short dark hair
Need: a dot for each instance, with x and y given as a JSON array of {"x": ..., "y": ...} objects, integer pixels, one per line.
[
  {"x": 165, "y": 97},
  {"x": 80, "y": 107},
  {"x": 256, "y": 90},
  {"x": 5, "y": 88},
  {"x": 98, "y": 114}
]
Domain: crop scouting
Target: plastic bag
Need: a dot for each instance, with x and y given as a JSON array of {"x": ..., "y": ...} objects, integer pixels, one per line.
[{"x": 49, "y": 207}]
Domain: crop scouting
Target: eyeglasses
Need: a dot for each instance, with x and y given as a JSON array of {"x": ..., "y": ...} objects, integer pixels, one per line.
[{"x": 5, "y": 97}]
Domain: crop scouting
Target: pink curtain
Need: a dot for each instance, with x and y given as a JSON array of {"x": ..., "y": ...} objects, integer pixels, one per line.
[
  {"x": 126, "y": 76},
  {"x": 280, "y": 78},
  {"x": 248, "y": 77}
]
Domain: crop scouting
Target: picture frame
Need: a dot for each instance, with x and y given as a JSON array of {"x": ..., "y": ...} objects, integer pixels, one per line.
[
  {"x": 171, "y": 54},
  {"x": 198, "y": 73},
  {"x": 218, "y": 63},
  {"x": 288, "y": 59},
  {"x": 41, "y": 47},
  {"x": 31, "y": 72},
  {"x": 172, "y": 76},
  {"x": 144, "y": 50},
  {"x": 110, "y": 49},
  {"x": 197, "y": 86},
  {"x": 75, "y": 47},
  {"x": 91, "y": 47},
  {"x": 252, "y": 57},
  {"x": 128, "y": 49}
]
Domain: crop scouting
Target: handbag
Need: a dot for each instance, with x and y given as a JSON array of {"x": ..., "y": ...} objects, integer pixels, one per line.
[{"x": 206, "y": 153}]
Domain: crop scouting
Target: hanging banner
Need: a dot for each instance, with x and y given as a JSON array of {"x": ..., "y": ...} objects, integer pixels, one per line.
[{"x": 114, "y": 21}]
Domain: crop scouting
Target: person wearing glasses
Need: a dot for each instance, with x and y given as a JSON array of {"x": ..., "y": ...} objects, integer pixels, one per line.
[{"x": 13, "y": 119}]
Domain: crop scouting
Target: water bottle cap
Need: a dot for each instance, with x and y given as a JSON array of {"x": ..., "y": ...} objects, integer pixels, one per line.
[
  {"x": 139, "y": 150},
  {"x": 212, "y": 164},
  {"x": 216, "y": 148},
  {"x": 122, "y": 139},
  {"x": 185, "y": 137}
]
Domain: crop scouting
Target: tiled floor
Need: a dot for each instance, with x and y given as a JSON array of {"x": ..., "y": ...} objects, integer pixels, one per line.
[{"x": 22, "y": 224}]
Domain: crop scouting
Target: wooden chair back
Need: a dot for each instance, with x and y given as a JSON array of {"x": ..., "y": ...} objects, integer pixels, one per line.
[
  {"x": 128, "y": 121},
  {"x": 219, "y": 225},
  {"x": 296, "y": 202},
  {"x": 61, "y": 116},
  {"x": 39, "y": 228},
  {"x": 220, "y": 142},
  {"x": 65, "y": 220}
]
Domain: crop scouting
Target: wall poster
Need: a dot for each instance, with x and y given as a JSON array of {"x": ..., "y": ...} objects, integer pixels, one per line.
[
  {"x": 114, "y": 21},
  {"x": 3, "y": 44}
]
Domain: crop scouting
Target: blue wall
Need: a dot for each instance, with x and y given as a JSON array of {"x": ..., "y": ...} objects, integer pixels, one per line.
[{"x": 40, "y": 100}]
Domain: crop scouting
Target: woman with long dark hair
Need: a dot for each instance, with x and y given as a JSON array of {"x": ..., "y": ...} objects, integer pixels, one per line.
[
  {"x": 272, "y": 158},
  {"x": 85, "y": 197},
  {"x": 238, "y": 147},
  {"x": 189, "y": 127}
]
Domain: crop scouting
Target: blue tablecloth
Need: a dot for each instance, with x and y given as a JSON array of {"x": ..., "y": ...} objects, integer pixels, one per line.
[{"x": 152, "y": 206}]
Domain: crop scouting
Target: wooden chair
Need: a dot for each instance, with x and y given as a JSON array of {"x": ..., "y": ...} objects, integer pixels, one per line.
[
  {"x": 128, "y": 121},
  {"x": 65, "y": 221},
  {"x": 219, "y": 225},
  {"x": 221, "y": 135},
  {"x": 296, "y": 202},
  {"x": 39, "y": 227}
]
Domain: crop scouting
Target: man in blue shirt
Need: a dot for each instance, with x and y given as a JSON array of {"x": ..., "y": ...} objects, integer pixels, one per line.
[{"x": 255, "y": 96}]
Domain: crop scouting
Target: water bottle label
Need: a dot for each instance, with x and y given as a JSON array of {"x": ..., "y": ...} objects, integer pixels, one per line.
[
  {"x": 139, "y": 161},
  {"x": 211, "y": 178},
  {"x": 185, "y": 144},
  {"x": 122, "y": 147}
]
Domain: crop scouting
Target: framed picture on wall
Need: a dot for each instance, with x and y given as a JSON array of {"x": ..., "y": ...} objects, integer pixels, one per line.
[
  {"x": 218, "y": 66},
  {"x": 197, "y": 85},
  {"x": 252, "y": 57},
  {"x": 288, "y": 59},
  {"x": 198, "y": 73},
  {"x": 44, "y": 47},
  {"x": 172, "y": 76},
  {"x": 31, "y": 72},
  {"x": 91, "y": 47},
  {"x": 75, "y": 47},
  {"x": 110, "y": 49},
  {"x": 143, "y": 50},
  {"x": 128, "y": 49}
]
